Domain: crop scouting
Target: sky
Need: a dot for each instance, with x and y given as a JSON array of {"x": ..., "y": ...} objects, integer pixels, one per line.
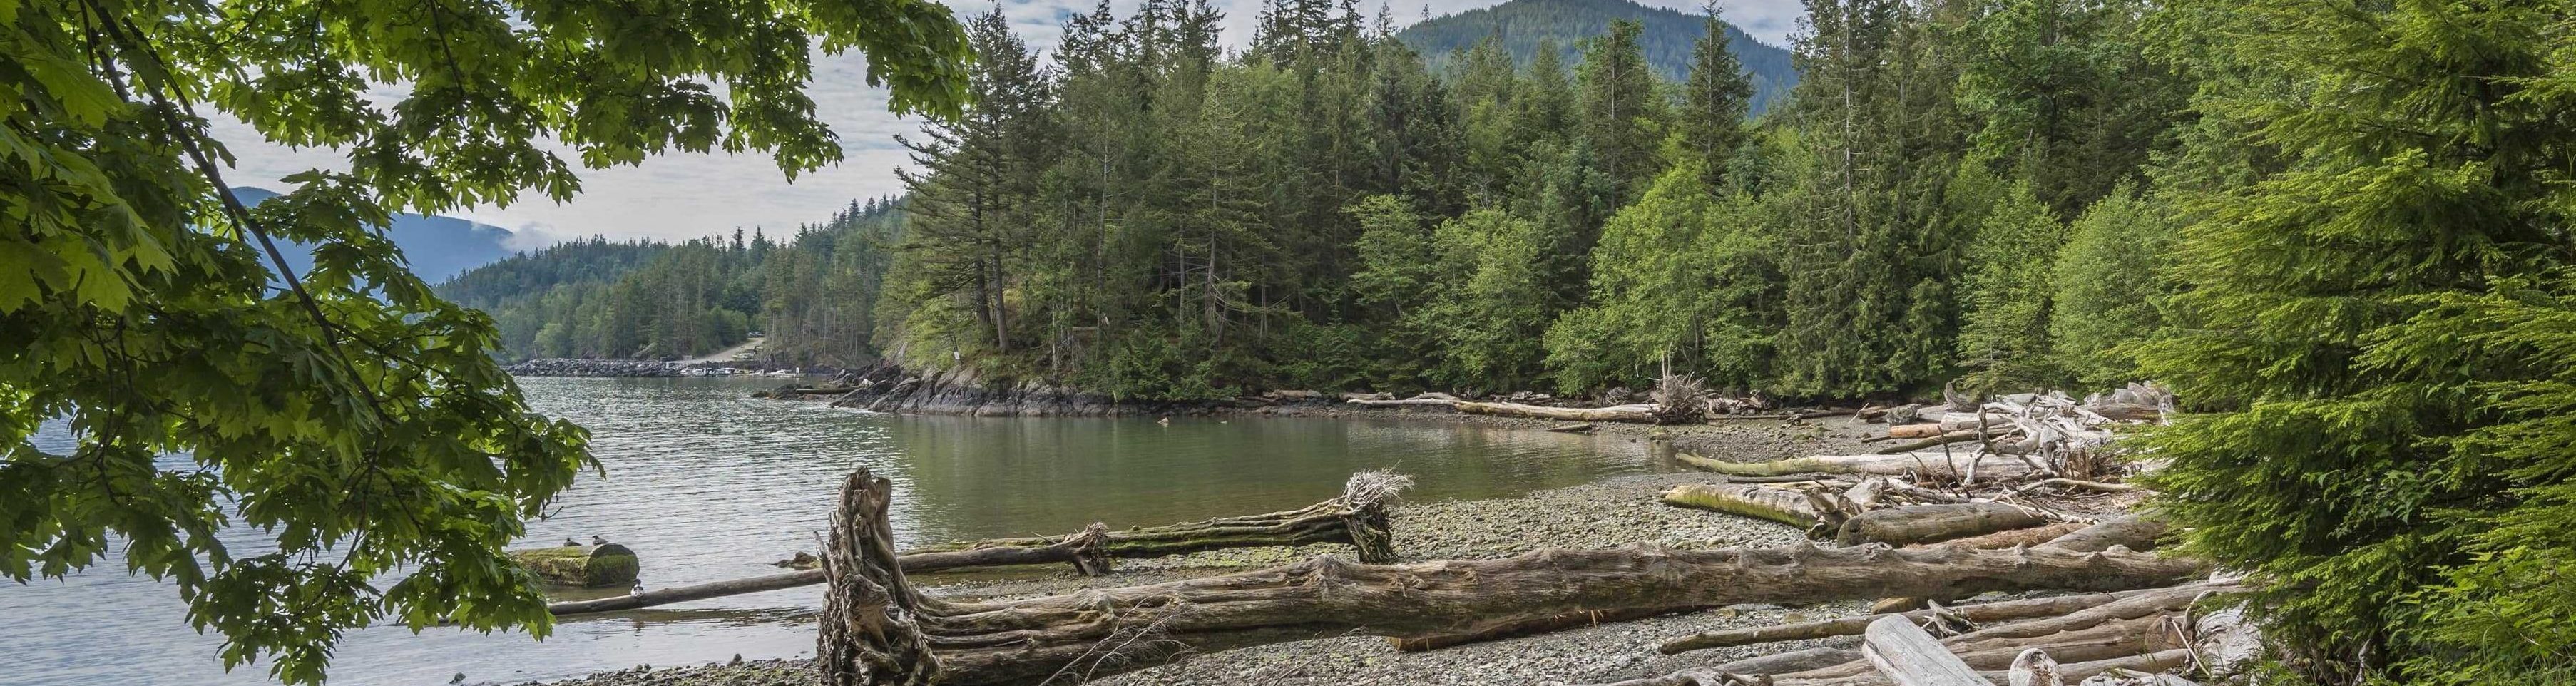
[{"x": 681, "y": 196}]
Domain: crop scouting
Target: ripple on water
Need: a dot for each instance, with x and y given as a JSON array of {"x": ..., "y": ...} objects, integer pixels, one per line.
[{"x": 707, "y": 484}]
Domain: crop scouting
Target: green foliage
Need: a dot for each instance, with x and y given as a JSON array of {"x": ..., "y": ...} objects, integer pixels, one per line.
[
  {"x": 1489, "y": 322},
  {"x": 1681, "y": 280},
  {"x": 2365, "y": 413},
  {"x": 1623, "y": 109},
  {"x": 1714, "y": 96},
  {"x": 347, "y": 412},
  {"x": 1525, "y": 30},
  {"x": 2003, "y": 334},
  {"x": 2108, "y": 288}
]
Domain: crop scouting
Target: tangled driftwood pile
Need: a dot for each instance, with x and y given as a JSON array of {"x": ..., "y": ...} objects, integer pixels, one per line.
[{"x": 2006, "y": 474}]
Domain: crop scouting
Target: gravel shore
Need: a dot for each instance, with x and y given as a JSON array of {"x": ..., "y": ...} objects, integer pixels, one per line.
[{"x": 1614, "y": 512}]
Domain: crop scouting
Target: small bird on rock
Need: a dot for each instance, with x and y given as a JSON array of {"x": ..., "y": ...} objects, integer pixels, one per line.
[
  {"x": 638, "y": 590},
  {"x": 460, "y": 678},
  {"x": 568, "y": 541},
  {"x": 596, "y": 540}
]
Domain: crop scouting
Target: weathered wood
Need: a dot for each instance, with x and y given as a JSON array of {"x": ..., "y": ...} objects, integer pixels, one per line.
[
  {"x": 1930, "y": 464},
  {"x": 1930, "y": 441},
  {"x": 1570, "y": 428},
  {"x": 1776, "y": 504},
  {"x": 2120, "y": 628},
  {"x": 1644, "y": 412},
  {"x": 1776, "y": 663},
  {"x": 1910, "y": 657},
  {"x": 2037, "y": 535},
  {"x": 2034, "y": 668},
  {"x": 580, "y": 565},
  {"x": 2118, "y": 411},
  {"x": 2131, "y": 531},
  {"x": 1930, "y": 523},
  {"x": 1357, "y": 517},
  {"x": 1852, "y": 626},
  {"x": 1927, "y": 429},
  {"x": 1539, "y": 625},
  {"x": 1082, "y": 550},
  {"x": 885, "y": 623},
  {"x": 1368, "y": 402}
]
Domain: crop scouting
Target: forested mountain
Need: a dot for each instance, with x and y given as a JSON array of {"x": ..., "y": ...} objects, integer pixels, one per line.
[
  {"x": 646, "y": 299},
  {"x": 1524, "y": 25},
  {"x": 436, "y": 247}
]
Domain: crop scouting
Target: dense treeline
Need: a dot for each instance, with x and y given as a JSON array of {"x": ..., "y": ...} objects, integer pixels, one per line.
[
  {"x": 1667, "y": 39},
  {"x": 1153, "y": 216},
  {"x": 2339, "y": 231},
  {"x": 646, "y": 299}
]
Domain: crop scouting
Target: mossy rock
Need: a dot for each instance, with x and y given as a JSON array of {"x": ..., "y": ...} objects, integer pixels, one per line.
[{"x": 580, "y": 565}]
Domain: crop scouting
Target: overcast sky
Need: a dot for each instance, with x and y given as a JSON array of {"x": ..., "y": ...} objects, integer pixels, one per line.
[{"x": 685, "y": 196}]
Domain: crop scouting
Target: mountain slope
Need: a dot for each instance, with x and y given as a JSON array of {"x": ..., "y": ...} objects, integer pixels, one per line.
[
  {"x": 437, "y": 247},
  {"x": 1667, "y": 38}
]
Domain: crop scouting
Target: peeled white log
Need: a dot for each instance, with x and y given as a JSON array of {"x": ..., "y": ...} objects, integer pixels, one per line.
[
  {"x": 1910, "y": 657},
  {"x": 1643, "y": 412},
  {"x": 1952, "y": 465},
  {"x": 1776, "y": 504}
]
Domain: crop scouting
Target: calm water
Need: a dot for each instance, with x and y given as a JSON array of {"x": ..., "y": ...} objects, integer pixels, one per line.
[{"x": 707, "y": 484}]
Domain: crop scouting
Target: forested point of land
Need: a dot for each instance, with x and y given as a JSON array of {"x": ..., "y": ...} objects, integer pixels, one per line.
[{"x": 1969, "y": 192}]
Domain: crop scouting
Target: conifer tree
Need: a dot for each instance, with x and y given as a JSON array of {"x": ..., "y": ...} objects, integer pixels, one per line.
[
  {"x": 1623, "y": 108},
  {"x": 2367, "y": 429},
  {"x": 1714, "y": 98}
]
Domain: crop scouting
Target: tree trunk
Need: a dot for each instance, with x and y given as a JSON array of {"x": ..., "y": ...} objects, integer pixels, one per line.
[
  {"x": 2133, "y": 531},
  {"x": 878, "y": 630},
  {"x": 1931, "y": 523},
  {"x": 1982, "y": 613}
]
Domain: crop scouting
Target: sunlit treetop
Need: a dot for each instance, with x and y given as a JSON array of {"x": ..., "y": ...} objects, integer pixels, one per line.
[{"x": 348, "y": 413}]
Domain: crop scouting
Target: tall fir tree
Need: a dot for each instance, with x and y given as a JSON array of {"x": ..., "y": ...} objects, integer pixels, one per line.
[{"x": 1714, "y": 97}]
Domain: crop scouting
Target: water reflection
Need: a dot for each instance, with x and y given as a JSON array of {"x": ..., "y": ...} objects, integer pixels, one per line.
[{"x": 706, "y": 484}]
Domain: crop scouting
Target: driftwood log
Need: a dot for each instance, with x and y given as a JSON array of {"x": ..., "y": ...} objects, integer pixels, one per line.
[
  {"x": 580, "y": 565},
  {"x": 1929, "y": 464},
  {"x": 1933, "y": 523},
  {"x": 1642, "y": 413},
  {"x": 1357, "y": 517},
  {"x": 1982, "y": 613},
  {"x": 1907, "y": 655},
  {"x": 1762, "y": 502},
  {"x": 878, "y": 629}
]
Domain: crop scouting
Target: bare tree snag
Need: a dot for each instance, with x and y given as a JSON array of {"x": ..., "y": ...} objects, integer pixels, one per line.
[
  {"x": 1852, "y": 626},
  {"x": 1776, "y": 504},
  {"x": 1643, "y": 412},
  {"x": 1929, "y": 523},
  {"x": 876, "y": 620},
  {"x": 1952, "y": 465},
  {"x": 1910, "y": 657}
]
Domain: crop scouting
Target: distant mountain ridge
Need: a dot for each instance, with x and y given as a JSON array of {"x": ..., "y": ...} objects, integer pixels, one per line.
[
  {"x": 438, "y": 248},
  {"x": 1667, "y": 38}
]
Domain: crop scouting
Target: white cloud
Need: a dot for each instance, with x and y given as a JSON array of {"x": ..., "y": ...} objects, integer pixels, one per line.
[{"x": 690, "y": 195}]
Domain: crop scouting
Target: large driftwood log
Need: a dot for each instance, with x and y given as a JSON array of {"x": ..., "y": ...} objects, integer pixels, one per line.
[
  {"x": 1644, "y": 412},
  {"x": 1929, "y": 464},
  {"x": 879, "y": 630},
  {"x": 1908, "y": 656},
  {"x": 1775, "y": 663},
  {"x": 2037, "y": 535},
  {"x": 580, "y": 565},
  {"x": 2130, "y": 531},
  {"x": 1082, "y": 550},
  {"x": 2128, "y": 626},
  {"x": 1931, "y": 442},
  {"x": 1357, "y": 517},
  {"x": 1931, "y": 523},
  {"x": 1776, "y": 504},
  {"x": 1981, "y": 613}
]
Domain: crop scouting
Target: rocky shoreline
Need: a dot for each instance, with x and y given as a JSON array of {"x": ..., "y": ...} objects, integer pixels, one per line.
[
  {"x": 571, "y": 366},
  {"x": 1619, "y": 511}
]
